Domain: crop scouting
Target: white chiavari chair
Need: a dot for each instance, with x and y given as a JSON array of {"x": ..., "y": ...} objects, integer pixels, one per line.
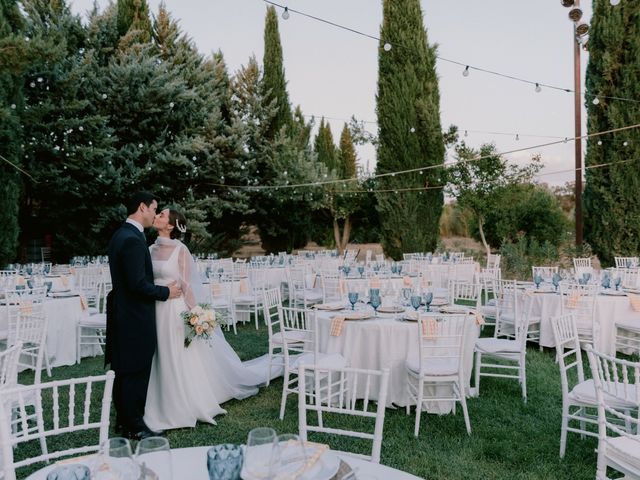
[
  {"x": 545, "y": 273},
  {"x": 333, "y": 286},
  {"x": 221, "y": 299},
  {"x": 616, "y": 381},
  {"x": 493, "y": 260},
  {"x": 64, "y": 419},
  {"x": 299, "y": 294},
  {"x": 342, "y": 393},
  {"x": 582, "y": 266},
  {"x": 249, "y": 300},
  {"x": 581, "y": 301},
  {"x": 465, "y": 293},
  {"x": 9, "y": 365},
  {"x": 627, "y": 262}
]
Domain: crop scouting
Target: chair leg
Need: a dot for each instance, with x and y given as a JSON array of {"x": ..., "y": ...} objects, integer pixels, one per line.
[
  {"x": 285, "y": 390},
  {"x": 463, "y": 402},
  {"x": 523, "y": 379},
  {"x": 78, "y": 343},
  {"x": 563, "y": 430},
  {"x": 416, "y": 428},
  {"x": 270, "y": 364},
  {"x": 477, "y": 373}
]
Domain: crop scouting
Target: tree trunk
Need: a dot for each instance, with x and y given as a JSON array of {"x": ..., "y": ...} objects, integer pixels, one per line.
[
  {"x": 336, "y": 236},
  {"x": 346, "y": 233},
  {"x": 484, "y": 240}
]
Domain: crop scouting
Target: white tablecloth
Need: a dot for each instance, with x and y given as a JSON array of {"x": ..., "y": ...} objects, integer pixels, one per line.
[
  {"x": 609, "y": 310},
  {"x": 191, "y": 464},
  {"x": 63, "y": 315},
  {"x": 385, "y": 342}
]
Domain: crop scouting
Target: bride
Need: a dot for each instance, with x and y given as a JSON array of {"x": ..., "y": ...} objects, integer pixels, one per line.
[{"x": 188, "y": 384}]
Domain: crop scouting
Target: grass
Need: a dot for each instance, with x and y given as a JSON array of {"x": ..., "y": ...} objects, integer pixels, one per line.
[{"x": 509, "y": 440}]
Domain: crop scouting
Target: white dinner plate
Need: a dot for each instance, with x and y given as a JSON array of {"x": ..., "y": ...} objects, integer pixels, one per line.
[
  {"x": 614, "y": 293},
  {"x": 324, "y": 469},
  {"x": 66, "y": 294}
]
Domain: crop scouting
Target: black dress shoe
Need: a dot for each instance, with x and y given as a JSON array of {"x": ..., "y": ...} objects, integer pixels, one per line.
[{"x": 142, "y": 434}]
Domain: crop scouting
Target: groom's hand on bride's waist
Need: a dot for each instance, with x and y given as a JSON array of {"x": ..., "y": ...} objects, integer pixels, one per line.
[{"x": 174, "y": 290}]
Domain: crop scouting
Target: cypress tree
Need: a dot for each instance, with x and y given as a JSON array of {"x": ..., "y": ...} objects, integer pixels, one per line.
[
  {"x": 10, "y": 132},
  {"x": 611, "y": 201},
  {"x": 347, "y": 154},
  {"x": 324, "y": 147},
  {"x": 274, "y": 84},
  {"x": 409, "y": 132}
]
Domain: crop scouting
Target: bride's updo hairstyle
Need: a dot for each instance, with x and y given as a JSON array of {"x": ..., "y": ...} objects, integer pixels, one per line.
[{"x": 179, "y": 223}]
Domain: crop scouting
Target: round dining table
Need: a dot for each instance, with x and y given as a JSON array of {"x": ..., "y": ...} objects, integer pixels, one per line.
[
  {"x": 386, "y": 341},
  {"x": 191, "y": 464}
]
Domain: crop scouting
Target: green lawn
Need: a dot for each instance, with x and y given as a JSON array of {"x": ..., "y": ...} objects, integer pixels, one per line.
[{"x": 509, "y": 439}]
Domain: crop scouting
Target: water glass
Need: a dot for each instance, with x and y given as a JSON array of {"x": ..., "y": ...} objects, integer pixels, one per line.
[
  {"x": 291, "y": 457},
  {"x": 353, "y": 298},
  {"x": 116, "y": 459},
  {"x": 361, "y": 270},
  {"x": 261, "y": 454},
  {"x": 154, "y": 453},
  {"x": 617, "y": 281},
  {"x": 224, "y": 462},
  {"x": 537, "y": 279},
  {"x": 556, "y": 280},
  {"x": 428, "y": 298},
  {"x": 375, "y": 302},
  {"x": 70, "y": 472}
]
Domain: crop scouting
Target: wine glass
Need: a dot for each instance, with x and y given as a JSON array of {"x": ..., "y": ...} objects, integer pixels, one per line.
[
  {"x": 375, "y": 302},
  {"x": 353, "y": 298},
  {"x": 116, "y": 457},
  {"x": 428, "y": 298},
  {"x": 617, "y": 281},
  {"x": 154, "y": 453},
  {"x": 556, "y": 280},
  {"x": 261, "y": 452},
  {"x": 291, "y": 457},
  {"x": 415, "y": 301},
  {"x": 361, "y": 270},
  {"x": 586, "y": 276},
  {"x": 406, "y": 294},
  {"x": 399, "y": 269},
  {"x": 346, "y": 270}
]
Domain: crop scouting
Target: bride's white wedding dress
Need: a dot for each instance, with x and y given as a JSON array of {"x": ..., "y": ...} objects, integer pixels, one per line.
[{"x": 189, "y": 384}]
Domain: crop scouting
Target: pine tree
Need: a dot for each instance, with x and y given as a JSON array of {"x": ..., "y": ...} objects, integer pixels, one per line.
[
  {"x": 347, "y": 154},
  {"x": 11, "y": 24},
  {"x": 611, "y": 201},
  {"x": 133, "y": 15},
  {"x": 408, "y": 108},
  {"x": 274, "y": 84},
  {"x": 324, "y": 147}
]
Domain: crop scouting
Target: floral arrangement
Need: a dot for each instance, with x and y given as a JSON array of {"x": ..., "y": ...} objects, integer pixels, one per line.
[{"x": 200, "y": 322}]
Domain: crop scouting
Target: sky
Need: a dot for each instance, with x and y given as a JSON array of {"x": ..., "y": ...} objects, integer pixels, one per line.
[{"x": 333, "y": 73}]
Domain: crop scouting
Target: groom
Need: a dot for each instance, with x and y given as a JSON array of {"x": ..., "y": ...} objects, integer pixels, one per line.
[{"x": 131, "y": 314}]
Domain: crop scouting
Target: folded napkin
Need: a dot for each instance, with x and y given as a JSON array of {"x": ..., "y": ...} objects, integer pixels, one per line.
[
  {"x": 313, "y": 452},
  {"x": 634, "y": 300},
  {"x": 343, "y": 286},
  {"x": 26, "y": 307},
  {"x": 479, "y": 317},
  {"x": 83, "y": 303},
  {"x": 244, "y": 287},
  {"x": 20, "y": 280},
  {"x": 406, "y": 281},
  {"x": 374, "y": 283},
  {"x": 216, "y": 289},
  {"x": 430, "y": 328},
  {"x": 337, "y": 323},
  {"x": 573, "y": 300},
  {"x": 64, "y": 280},
  {"x": 72, "y": 270}
]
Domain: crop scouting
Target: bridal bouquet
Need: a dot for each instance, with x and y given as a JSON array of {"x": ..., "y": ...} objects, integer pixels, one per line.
[{"x": 200, "y": 322}]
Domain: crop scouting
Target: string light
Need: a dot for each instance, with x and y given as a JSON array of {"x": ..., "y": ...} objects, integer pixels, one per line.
[
  {"x": 538, "y": 88},
  {"x": 517, "y": 137},
  {"x": 614, "y": 2},
  {"x": 465, "y": 72},
  {"x": 285, "y": 14},
  {"x": 455, "y": 62},
  {"x": 595, "y": 100},
  {"x": 387, "y": 47}
]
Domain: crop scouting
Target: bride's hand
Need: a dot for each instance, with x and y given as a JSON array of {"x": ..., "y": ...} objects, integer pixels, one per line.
[{"x": 174, "y": 290}]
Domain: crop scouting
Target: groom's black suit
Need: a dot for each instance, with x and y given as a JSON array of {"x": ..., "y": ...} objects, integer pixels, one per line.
[{"x": 131, "y": 323}]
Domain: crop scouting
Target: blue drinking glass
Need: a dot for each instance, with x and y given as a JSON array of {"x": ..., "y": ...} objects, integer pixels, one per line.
[
  {"x": 428, "y": 298},
  {"x": 586, "y": 276},
  {"x": 606, "y": 282},
  {"x": 374, "y": 292},
  {"x": 406, "y": 294},
  {"x": 361, "y": 270},
  {"x": 353, "y": 298},
  {"x": 617, "y": 281},
  {"x": 415, "y": 301},
  {"x": 537, "y": 279},
  {"x": 224, "y": 462},
  {"x": 346, "y": 270},
  {"x": 70, "y": 472},
  {"x": 399, "y": 269},
  {"x": 375, "y": 302},
  {"x": 556, "y": 280}
]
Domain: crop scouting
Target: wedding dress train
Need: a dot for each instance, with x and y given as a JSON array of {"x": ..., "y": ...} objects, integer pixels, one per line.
[{"x": 189, "y": 384}]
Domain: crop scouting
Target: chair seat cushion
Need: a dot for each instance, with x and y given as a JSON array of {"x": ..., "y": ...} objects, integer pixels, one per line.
[
  {"x": 497, "y": 345},
  {"x": 433, "y": 366},
  {"x": 247, "y": 298},
  {"x": 98, "y": 320},
  {"x": 291, "y": 337},
  {"x": 585, "y": 392},
  {"x": 322, "y": 360},
  {"x": 488, "y": 310},
  {"x": 625, "y": 451},
  {"x": 93, "y": 311}
]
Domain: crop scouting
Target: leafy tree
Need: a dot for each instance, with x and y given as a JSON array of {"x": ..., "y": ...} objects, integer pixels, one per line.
[
  {"x": 476, "y": 179},
  {"x": 611, "y": 201},
  {"x": 409, "y": 136}
]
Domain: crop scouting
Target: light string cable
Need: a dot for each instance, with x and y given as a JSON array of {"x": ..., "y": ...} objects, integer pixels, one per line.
[
  {"x": 448, "y": 60},
  {"x": 18, "y": 168},
  {"x": 423, "y": 168}
]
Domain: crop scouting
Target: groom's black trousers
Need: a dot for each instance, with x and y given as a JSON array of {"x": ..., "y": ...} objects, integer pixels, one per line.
[{"x": 129, "y": 397}]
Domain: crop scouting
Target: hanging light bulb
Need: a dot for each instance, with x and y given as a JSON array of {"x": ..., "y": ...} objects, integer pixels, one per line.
[
  {"x": 413, "y": 130},
  {"x": 582, "y": 28},
  {"x": 538, "y": 88},
  {"x": 517, "y": 137},
  {"x": 387, "y": 47},
  {"x": 567, "y": 3},
  {"x": 285, "y": 14},
  {"x": 465, "y": 73},
  {"x": 625, "y": 144},
  {"x": 599, "y": 142},
  {"x": 575, "y": 14},
  {"x": 614, "y": 2},
  {"x": 595, "y": 100},
  {"x": 466, "y": 134}
]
